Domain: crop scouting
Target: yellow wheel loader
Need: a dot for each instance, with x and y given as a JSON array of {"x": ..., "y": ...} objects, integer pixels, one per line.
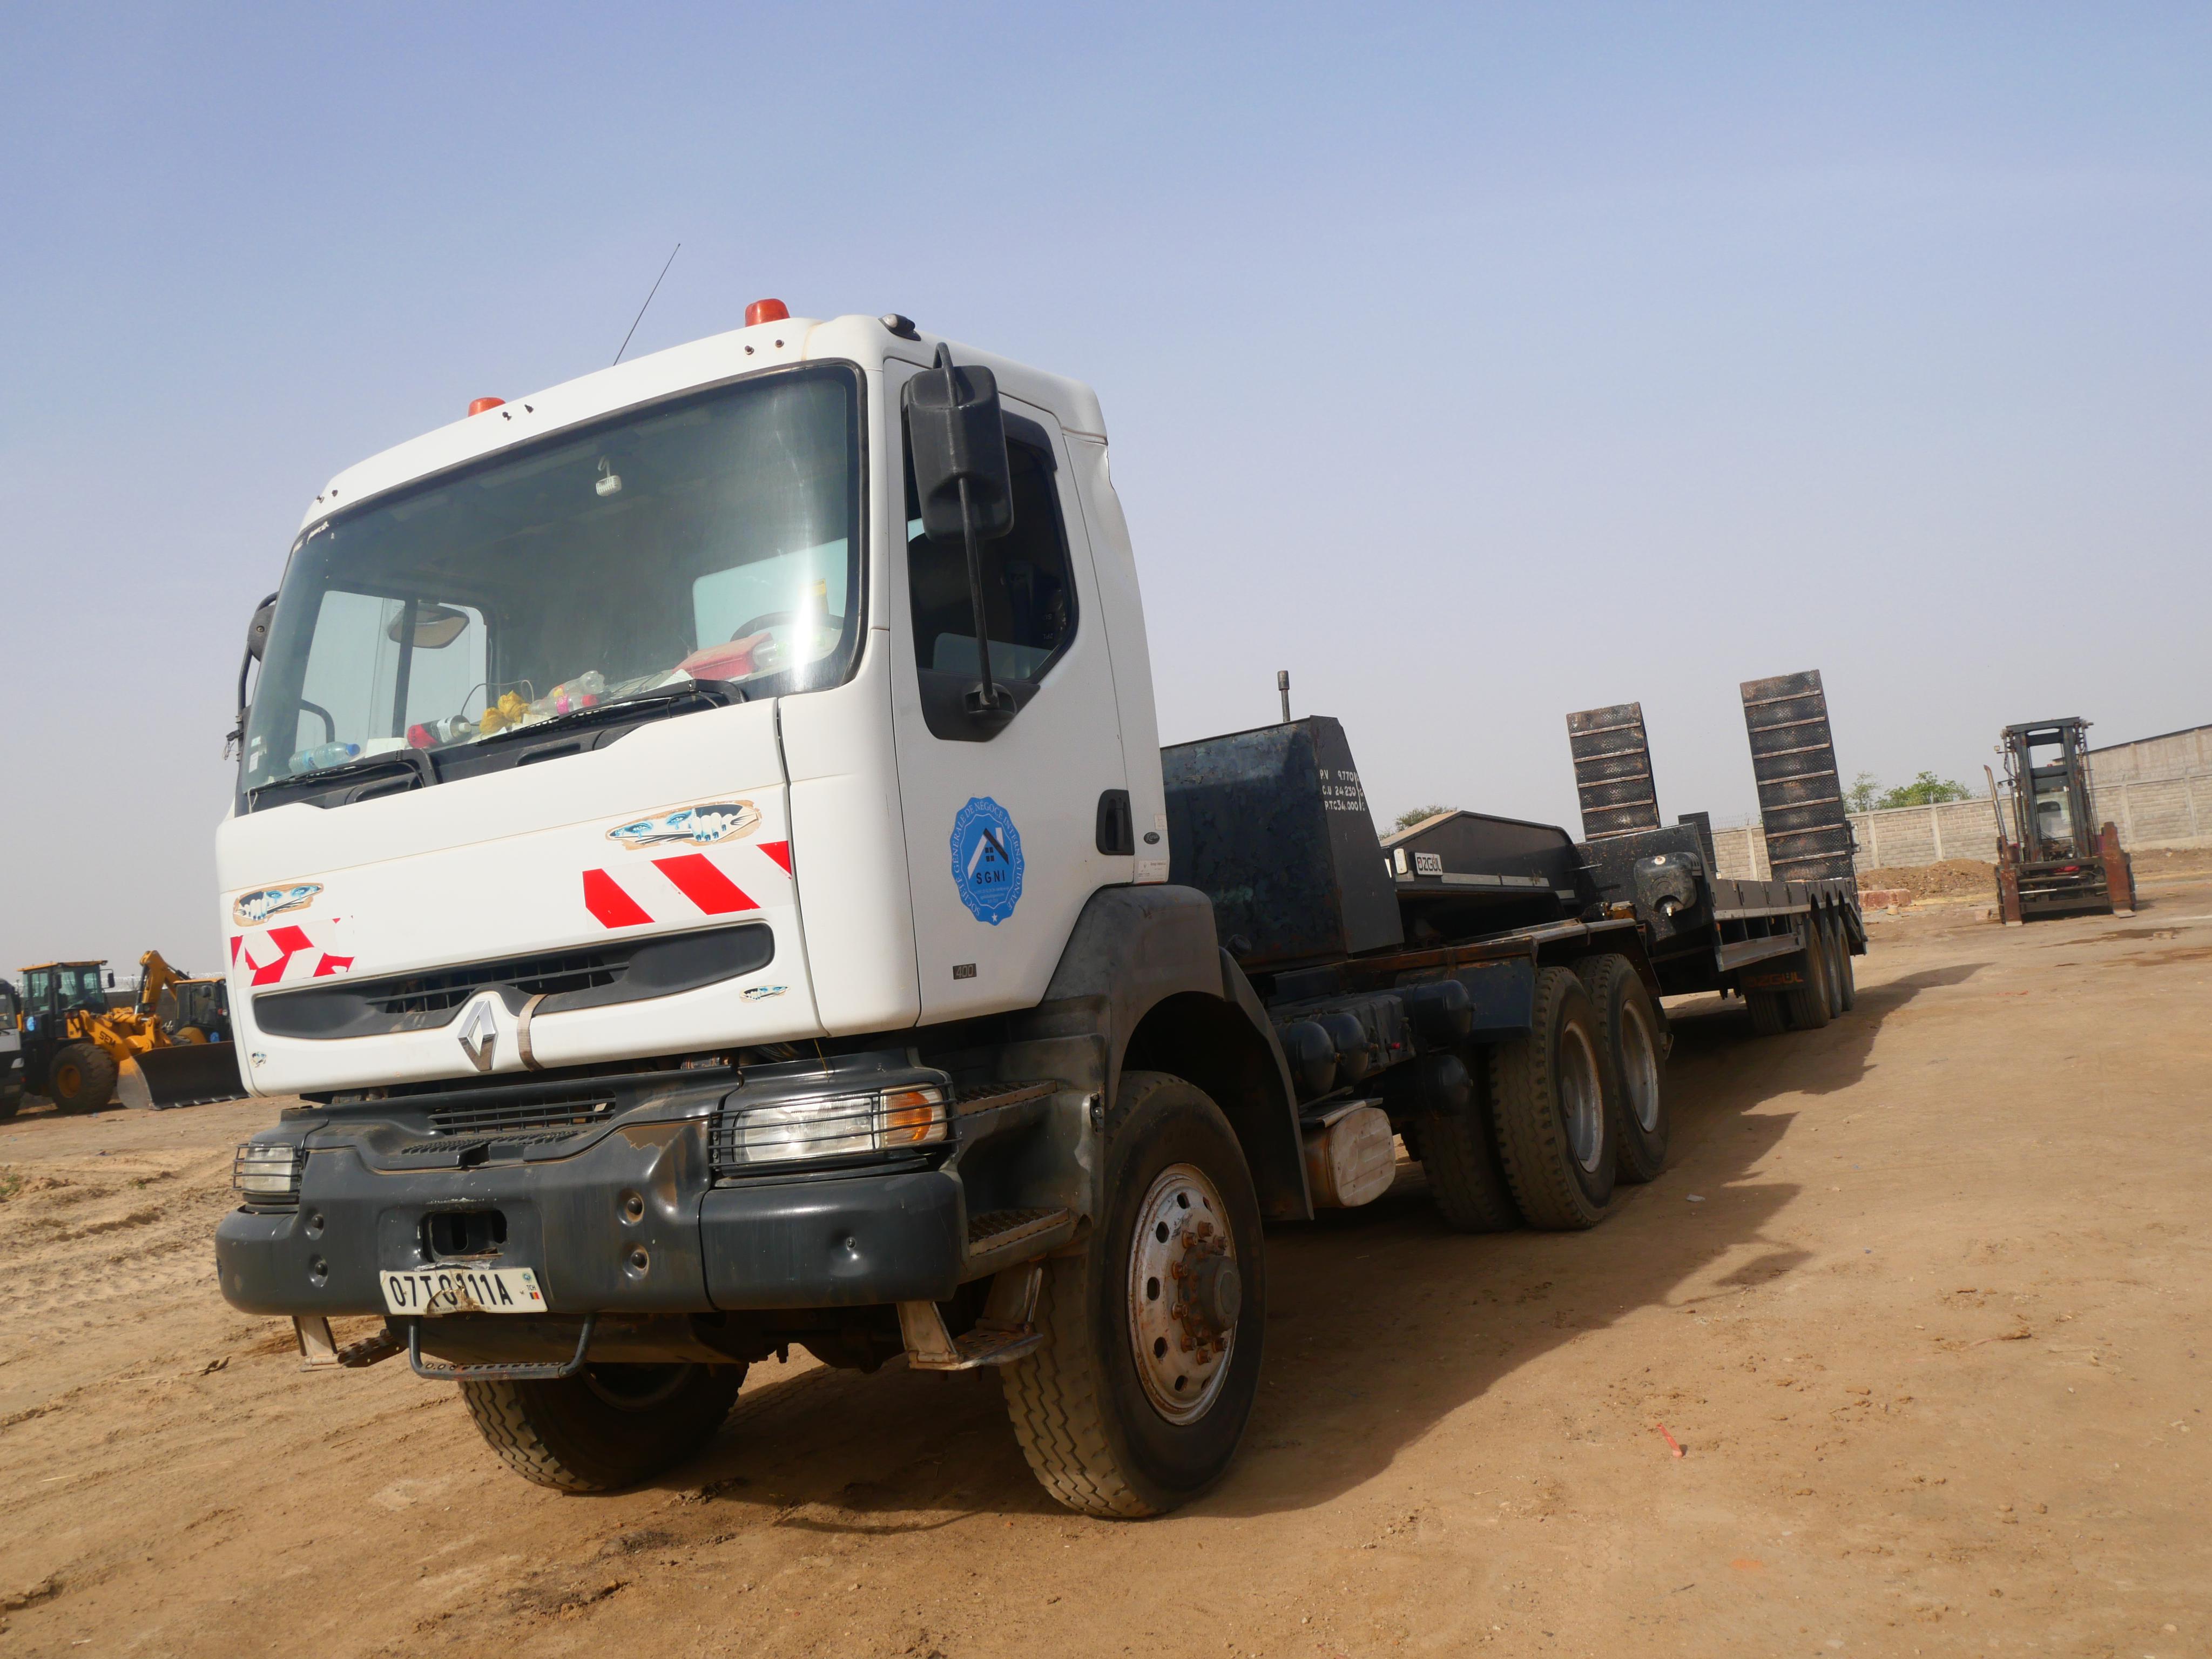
[{"x": 81, "y": 1054}]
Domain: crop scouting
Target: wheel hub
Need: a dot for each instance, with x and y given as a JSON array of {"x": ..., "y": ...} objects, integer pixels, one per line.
[
  {"x": 1581, "y": 1102},
  {"x": 1185, "y": 1294},
  {"x": 1640, "y": 1069}
]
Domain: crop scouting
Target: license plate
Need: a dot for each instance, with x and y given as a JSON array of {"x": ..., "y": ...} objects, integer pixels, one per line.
[{"x": 437, "y": 1290}]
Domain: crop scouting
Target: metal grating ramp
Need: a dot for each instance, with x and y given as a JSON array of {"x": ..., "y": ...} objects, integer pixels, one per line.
[
  {"x": 1613, "y": 770},
  {"x": 1793, "y": 756}
]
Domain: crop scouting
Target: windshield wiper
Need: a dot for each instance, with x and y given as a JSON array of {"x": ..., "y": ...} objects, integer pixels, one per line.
[
  {"x": 714, "y": 694},
  {"x": 416, "y": 759}
]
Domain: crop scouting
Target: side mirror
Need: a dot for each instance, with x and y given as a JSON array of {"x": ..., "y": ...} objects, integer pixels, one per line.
[
  {"x": 257, "y": 631},
  {"x": 957, "y": 434},
  {"x": 257, "y": 642},
  {"x": 956, "y": 440}
]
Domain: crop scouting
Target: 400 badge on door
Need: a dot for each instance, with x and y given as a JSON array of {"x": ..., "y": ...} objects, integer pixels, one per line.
[{"x": 987, "y": 859}]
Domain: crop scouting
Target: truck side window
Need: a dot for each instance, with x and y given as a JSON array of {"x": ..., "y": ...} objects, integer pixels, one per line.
[{"x": 1029, "y": 603}]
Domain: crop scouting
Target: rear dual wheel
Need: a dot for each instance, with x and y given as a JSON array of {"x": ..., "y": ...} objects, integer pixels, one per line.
[
  {"x": 1555, "y": 1131},
  {"x": 1630, "y": 1049}
]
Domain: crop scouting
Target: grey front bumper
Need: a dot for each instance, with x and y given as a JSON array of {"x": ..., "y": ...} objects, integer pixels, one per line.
[{"x": 832, "y": 1240}]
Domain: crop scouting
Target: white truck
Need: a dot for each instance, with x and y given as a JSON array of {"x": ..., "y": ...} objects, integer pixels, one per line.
[{"x": 702, "y": 854}]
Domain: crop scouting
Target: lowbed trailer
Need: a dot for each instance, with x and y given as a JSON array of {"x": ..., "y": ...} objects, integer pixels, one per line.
[{"x": 763, "y": 916}]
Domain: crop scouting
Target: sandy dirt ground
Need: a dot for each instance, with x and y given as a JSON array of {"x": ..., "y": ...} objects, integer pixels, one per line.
[{"x": 1922, "y": 1297}]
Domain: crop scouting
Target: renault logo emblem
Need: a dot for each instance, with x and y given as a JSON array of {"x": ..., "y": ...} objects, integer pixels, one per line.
[{"x": 480, "y": 1036}]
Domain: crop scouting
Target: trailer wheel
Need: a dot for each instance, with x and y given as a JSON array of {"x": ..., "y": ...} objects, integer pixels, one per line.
[
  {"x": 1831, "y": 928},
  {"x": 1457, "y": 1145},
  {"x": 1138, "y": 1397},
  {"x": 1807, "y": 1004},
  {"x": 1628, "y": 1045},
  {"x": 608, "y": 1427},
  {"x": 1554, "y": 1130},
  {"x": 1847, "y": 978},
  {"x": 81, "y": 1078},
  {"x": 1770, "y": 1015}
]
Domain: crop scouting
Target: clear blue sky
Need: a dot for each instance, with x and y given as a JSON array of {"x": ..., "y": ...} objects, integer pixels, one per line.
[{"x": 1475, "y": 363}]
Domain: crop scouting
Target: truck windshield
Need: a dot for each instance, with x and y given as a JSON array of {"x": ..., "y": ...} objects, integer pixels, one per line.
[{"x": 713, "y": 538}]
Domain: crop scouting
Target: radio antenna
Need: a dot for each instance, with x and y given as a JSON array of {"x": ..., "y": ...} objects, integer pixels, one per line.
[{"x": 640, "y": 318}]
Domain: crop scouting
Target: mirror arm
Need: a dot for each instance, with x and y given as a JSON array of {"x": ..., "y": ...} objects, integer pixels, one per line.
[{"x": 986, "y": 694}]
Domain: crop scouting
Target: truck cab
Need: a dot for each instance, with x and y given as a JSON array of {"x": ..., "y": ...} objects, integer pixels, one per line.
[{"x": 676, "y": 961}]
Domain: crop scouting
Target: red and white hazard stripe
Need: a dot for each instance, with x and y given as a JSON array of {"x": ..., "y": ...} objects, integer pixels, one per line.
[{"x": 728, "y": 881}]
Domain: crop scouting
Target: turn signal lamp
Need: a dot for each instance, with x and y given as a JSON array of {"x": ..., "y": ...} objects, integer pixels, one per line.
[
  {"x": 766, "y": 311},
  {"x": 477, "y": 405}
]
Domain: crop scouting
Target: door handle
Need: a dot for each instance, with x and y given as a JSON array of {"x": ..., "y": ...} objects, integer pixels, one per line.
[{"x": 1117, "y": 830}]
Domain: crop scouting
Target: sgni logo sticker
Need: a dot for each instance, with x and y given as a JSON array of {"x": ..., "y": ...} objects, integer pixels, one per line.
[{"x": 987, "y": 859}]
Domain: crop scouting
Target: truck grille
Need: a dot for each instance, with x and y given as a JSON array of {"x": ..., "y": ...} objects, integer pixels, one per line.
[
  {"x": 629, "y": 971},
  {"x": 447, "y": 989},
  {"x": 472, "y": 1119}
]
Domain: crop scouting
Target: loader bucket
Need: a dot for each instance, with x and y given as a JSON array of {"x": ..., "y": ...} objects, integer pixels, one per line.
[{"x": 182, "y": 1074}]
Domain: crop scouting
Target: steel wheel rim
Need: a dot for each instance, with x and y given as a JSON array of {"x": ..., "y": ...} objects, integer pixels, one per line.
[
  {"x": 1182, "y": 1373},
  {"x": 1582, "y": 1104},
  {"x": 1639, "y": 1068}
]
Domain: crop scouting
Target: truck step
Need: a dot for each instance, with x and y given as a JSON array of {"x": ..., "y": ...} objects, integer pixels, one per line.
[
  {"x": 998, "y": 1238},
  {"x": 1006, "y": 1331}
]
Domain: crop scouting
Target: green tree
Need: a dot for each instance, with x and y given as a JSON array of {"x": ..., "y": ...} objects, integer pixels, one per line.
[
  {"x": 1865, "y": 790},
  {"x": 1926, "y": 789},
  {"x": 1413, "y": 815}
]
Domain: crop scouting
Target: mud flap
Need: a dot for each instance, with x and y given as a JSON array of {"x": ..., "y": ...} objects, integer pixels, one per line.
[{"x": 186, "y": 1074}]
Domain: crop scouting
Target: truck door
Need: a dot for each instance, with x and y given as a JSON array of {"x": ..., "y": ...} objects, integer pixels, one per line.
[{"x": 1005, "y": 829}]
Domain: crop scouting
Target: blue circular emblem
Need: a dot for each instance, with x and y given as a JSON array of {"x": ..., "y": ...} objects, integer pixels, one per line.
[{"x": 986, "y": 860}]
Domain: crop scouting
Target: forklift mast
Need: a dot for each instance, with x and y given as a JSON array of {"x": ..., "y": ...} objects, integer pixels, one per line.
[{"x": 2046, "y": 763}]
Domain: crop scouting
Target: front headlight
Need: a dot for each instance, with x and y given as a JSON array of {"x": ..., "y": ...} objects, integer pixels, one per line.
[
  {"x": 268, "y": 1172},
  {"x": 831, "y": 1126}
]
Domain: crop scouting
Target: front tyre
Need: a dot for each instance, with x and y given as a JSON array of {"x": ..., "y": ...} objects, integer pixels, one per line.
[
  {"x": 606, "y": 1427},
  {"x": 1138, "y": 1397},
  {"x": 81, "y": 1078}
]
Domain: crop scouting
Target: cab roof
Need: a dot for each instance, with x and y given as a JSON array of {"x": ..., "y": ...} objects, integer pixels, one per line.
[{"x": 787, "y": 342}]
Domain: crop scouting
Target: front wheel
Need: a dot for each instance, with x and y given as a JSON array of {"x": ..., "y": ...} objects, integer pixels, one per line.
[
  {"x": 82, "y": 1077},
  {"x": 1138, "y": 1397},
  {"x": 607, "y": 1426}
]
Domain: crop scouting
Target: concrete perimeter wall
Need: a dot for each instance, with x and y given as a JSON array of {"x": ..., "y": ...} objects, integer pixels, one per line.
[
  {"x": 2150, "y": 811},
  {"x": 2175, "y": 755}
]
